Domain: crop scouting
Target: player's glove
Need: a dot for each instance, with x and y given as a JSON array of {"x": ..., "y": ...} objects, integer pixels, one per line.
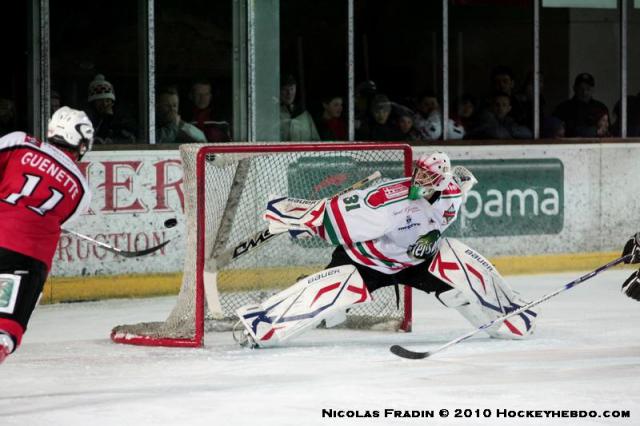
[
  {"x": 631, "y": 286},
  {"x": 633, "y": 248},
  {"x": 426, "y": 246}
]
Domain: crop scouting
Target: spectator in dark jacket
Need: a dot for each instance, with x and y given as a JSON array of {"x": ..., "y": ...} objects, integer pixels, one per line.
[
  {"x": 381, "y": 128},
  {"x": 577, "y": 111},
  {"x": 201, "y": 113}
]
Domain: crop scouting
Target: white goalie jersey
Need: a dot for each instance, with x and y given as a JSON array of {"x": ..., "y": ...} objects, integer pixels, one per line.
[{"x": 377, "y": 225}]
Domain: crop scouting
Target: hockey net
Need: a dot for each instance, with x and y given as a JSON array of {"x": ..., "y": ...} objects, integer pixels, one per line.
[{"x": 226, "y": 188}]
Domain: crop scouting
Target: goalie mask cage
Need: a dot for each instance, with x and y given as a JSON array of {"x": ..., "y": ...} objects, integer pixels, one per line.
[{"x": 226, "y": 189}]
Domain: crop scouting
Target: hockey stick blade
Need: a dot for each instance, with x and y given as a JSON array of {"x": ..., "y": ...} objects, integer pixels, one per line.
[
  {"x": 123, "y": 253},
  {"x": 409, "y": 354},
  {"x": 139, "y": 253}
]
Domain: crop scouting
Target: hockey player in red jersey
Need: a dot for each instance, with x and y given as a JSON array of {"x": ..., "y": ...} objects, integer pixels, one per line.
[
  {"x": 41, "y": 190},
  {"x": 385, "y": 235}
]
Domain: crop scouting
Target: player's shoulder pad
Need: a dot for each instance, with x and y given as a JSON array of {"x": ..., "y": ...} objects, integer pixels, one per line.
[
  {"x": 388, "y": 193},
  {"x": 17, "y": 139},
  {"x": 452, "y": 191}
]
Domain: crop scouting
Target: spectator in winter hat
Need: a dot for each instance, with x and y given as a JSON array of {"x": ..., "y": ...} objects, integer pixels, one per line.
[
  {"x": 577, "y": 112},
  {"x": 381, "y": 129},
  {"x": 110, "y": 127},
  {"x": 404, "y": 118},
  {"x": 364, "y": 94}
]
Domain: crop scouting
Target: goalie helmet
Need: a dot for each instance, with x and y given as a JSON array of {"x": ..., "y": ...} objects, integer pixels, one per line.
[
  {"x": 71, "y": 129},
  {"x": 432, "y": 173}
]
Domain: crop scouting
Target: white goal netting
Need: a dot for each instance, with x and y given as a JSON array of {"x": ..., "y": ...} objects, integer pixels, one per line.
[{"x": 226, "y": 188}]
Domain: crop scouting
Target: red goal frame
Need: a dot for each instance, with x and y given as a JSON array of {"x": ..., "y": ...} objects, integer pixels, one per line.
[{"x": 198, "y": 338}]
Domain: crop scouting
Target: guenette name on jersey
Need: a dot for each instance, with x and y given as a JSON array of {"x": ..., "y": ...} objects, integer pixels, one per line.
[{"x": 43, "y": 164}]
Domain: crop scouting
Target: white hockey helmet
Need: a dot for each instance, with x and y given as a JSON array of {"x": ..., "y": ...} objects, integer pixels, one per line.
[
  {"x": 432, "y": 173},
  {"x": 70, "y": 128}
]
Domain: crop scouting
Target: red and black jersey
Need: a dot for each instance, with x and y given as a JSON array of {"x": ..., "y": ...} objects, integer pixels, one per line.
[{"x": 41, "y": 189}]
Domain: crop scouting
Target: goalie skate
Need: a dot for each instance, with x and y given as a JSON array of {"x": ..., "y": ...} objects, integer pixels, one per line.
[{"x": 242, "y": 336}]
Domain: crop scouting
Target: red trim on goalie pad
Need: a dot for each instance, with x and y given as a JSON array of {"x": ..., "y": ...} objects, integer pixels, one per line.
[
  {"x": 512, "y": 328},
  {"x": 443, "y": 266},
  {"x": 324, "y": 290},
  {"x": 477, "y": 274},
  {"x": 361, "y": 291},
  {"x": 270, "y": 334},
  {"x": 13, "y": 328}
]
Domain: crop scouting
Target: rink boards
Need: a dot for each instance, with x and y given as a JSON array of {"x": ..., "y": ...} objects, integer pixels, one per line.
[{"x": 547, "y": 207}]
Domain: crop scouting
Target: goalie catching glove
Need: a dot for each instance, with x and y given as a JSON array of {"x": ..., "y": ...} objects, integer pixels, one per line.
[{"x": 294, "y": 215}]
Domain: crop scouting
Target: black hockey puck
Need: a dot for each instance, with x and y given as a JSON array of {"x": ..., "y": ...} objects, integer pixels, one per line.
[{"x": 170, "y": 223}]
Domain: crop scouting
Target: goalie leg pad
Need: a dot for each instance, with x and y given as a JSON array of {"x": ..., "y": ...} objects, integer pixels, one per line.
[
  {"x": 325, "y": 295},
  {"x": 479, "y": 293}
]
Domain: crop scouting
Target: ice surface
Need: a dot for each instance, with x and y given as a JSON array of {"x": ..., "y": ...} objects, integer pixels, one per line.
[{"x": 585, "y": 355}]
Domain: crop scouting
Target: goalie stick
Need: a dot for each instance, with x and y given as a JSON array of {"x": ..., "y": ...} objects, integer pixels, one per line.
[
  {"x": 409, "y": 354},
  {"x": 169, "y": 223},
  {"x": 260, "y": 238}
]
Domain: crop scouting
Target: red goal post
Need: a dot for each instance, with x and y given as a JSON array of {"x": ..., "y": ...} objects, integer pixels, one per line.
[{"x": 226, "y": 187}]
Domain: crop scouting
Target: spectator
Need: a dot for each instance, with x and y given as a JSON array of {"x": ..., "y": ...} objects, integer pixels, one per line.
[
  {"x": 525, "y": 99},
  {"x": 503, "y": 81},
  {"x": 428, "y": 121},
  {"x": 296, "y": 123},
  {"x": 170, "y": 127},
  {"x": 469, "y": 117},
  {"x": 110, "y": 126},
  {"x": 381, "y": 127},
  {"x": 55, "y": 101},
  {"x": 201, "y": 113},
  {"x": 577, "y": 111},
  {"x": 364, "y": 93},
  {"x": 633, "y": 117},
  {"x": 552, "y": 128},
  {"x": 404, "y": 121},
  {"x": 330, "y": 124},
  {"x": 8, "y": 116},
  {"x": 500, "y": 124},
  {"x": 597, "y": 125}
]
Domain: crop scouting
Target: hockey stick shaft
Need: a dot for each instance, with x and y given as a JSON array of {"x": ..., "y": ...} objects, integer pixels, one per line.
[
  {"x": 400, "y": 351},
  {"x": 116, "y": 250},
  {"x": 260, "y": 238}
]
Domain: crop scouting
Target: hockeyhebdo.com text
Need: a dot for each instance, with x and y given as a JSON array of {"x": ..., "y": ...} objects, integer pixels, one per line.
[{"x": 497, "y": 413}]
